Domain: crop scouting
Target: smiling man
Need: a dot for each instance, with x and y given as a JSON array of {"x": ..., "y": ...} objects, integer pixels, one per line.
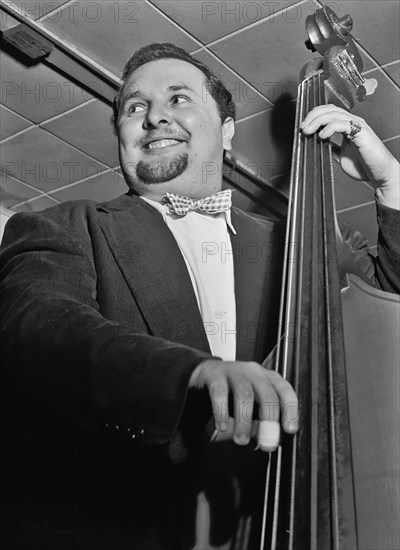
[
  {"x": 129, "y": 327},
  {"x": 170, "y": 131}
]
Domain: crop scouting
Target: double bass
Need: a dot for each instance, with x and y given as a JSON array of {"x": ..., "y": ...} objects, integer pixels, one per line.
[
  {"x": 335, "y": 484},
  {"x": 343, "y": 359}
]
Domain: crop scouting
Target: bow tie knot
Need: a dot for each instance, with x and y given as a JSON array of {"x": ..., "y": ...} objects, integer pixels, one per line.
[{"x": 181, "y": 205}]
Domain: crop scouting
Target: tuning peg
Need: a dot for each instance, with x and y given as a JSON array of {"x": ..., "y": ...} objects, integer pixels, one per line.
[{"x": 345, "y": 23}]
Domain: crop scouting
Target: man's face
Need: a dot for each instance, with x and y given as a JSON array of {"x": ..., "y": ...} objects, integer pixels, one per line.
[{"x": 170, "y": 133}]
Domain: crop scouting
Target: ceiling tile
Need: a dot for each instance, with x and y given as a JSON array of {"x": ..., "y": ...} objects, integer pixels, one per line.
[
  {"x": 44, "y": 161},
  {"x": 11, "y": 123},
  {"x": 247, "y": 100},
  {"x": 35, "y": 205},
  {"x": 264, "y": 142},
  {"x": 376, "y": 25},
  {"x": 270, "y": 54},
  {"x": 109, "y": 32},
  {"x": 89, "y": 129},
  {"x": 208, "y": 21},
  {"x": 14, "y": 191},
  {"x": 38, "y": 8},
  {"x": 349, "y": 192},
  {"x": 37, "y": 92},
  {"x": 100, "y": 188},
  {"x": 394, "y": 72},
  {"x": 362, "y": 218},
  {"x": 381, "y": 110}
]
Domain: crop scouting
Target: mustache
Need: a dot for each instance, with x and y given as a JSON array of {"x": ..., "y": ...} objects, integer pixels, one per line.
[{"x": 164, "y": 134}]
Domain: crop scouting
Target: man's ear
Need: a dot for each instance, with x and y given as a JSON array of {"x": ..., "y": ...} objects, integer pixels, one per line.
[{"x": 228, "y": 130}]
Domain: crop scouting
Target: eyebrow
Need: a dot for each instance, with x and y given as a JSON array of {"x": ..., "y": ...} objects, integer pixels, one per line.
[{"x": 172, "y": 88}]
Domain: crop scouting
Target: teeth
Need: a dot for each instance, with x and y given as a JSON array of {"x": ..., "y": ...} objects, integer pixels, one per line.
[{"x": 162, "y": 143}]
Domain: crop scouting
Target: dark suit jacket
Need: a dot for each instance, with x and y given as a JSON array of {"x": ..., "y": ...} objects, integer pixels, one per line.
[{"x": 101, "y": 332}]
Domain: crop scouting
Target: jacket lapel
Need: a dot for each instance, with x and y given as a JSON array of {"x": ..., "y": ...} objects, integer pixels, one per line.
[{"x": 155, "y": 271}]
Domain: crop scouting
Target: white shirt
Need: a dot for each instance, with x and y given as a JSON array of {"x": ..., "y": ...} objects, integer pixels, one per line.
[{"x": 205, "y": 244}]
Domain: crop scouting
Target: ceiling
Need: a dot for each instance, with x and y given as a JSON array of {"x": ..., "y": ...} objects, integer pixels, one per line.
[{"x": 56, "y": 139}]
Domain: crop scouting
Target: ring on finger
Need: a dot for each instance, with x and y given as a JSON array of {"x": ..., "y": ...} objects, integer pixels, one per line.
[{"x": 355, "y": 128}]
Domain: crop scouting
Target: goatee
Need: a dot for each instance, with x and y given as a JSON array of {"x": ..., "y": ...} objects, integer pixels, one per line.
[{"x": 162, "y": 170}]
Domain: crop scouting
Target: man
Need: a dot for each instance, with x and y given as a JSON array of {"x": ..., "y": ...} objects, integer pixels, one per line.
[{"x": 113, "y": 356}]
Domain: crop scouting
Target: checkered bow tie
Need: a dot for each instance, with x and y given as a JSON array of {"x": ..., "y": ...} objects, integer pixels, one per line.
[{"x": 181, "y": 205}]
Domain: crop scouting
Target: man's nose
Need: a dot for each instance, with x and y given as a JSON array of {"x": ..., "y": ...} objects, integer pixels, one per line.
[{"x": 157, "y": 114}]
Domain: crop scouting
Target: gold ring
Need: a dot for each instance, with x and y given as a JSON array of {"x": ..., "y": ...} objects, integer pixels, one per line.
[{"x": 355, "y": 127}]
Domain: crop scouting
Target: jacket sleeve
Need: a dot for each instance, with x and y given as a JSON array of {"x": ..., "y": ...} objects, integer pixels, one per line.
[
  {"x": 383, "y": 271},
  {"x": 61, "y": 355},
  {"x": 388, "y": 264}
]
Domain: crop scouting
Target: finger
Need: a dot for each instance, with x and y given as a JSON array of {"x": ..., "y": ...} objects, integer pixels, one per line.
[
  {"x": 322, "y": 110},
  {"x": 269, "y": 434},
  {"x": 325, "y": 120},
  {"x": 338, "y": 126},
  {"x": 269, "y": 406},
  {"x": 288, "y": 402},
  {"x": 243, "y": 408},
  {"x": 218, "y": 390}
]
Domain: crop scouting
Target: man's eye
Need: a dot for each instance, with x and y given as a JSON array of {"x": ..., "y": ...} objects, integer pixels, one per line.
[
  {"x": 179, "y": 99},
  {"x": 135, "y": 108}
]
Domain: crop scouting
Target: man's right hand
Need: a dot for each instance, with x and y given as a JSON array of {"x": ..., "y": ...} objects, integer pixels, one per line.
[{"x": 248, "y": 383}]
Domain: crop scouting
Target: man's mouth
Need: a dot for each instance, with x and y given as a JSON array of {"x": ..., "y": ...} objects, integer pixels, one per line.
[
  {"x": 159, "y": 144},
  {"x": 162, "y": 143}
]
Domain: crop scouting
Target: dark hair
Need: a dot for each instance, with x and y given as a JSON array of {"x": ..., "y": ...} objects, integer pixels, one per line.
[{"x": 153, "y": 52}]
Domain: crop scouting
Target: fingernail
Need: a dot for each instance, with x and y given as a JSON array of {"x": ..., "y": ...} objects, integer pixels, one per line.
[
  {"x": 241, "y": 439},
  {"x": 268, "y": 435},
  {"x": 223, "y": 427},
  {"x": 291, "y": 427}
]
